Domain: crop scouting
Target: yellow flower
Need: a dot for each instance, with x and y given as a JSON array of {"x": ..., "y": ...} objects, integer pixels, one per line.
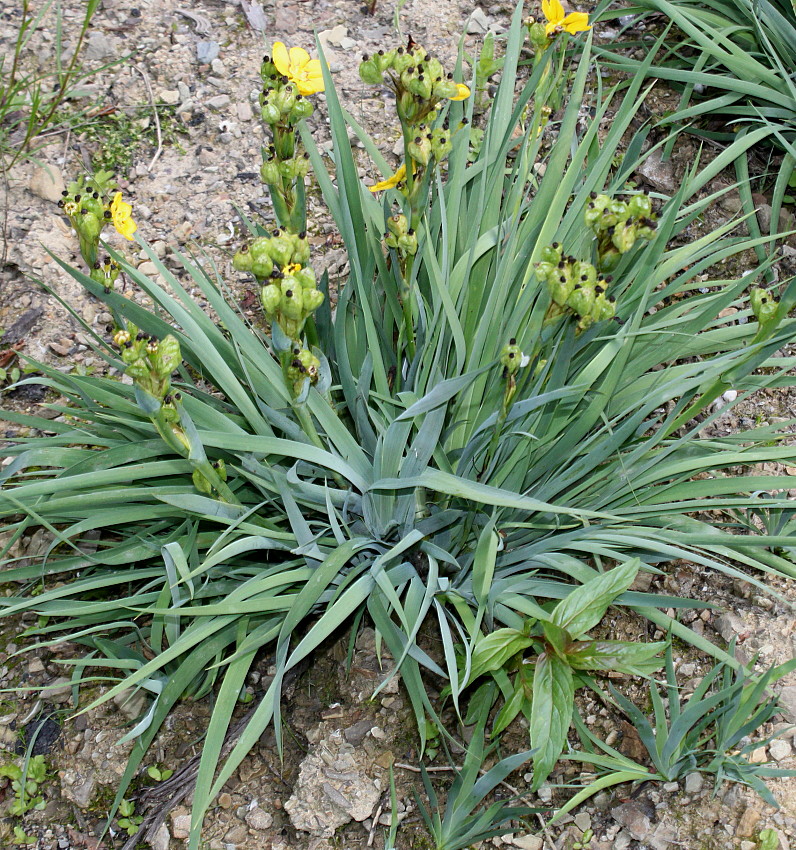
[
  {"x": 122, "y": 220},
  {"x": 390, "y": 182},
  {"x": 462, "y": 92},
  {"x": 572, "y": 23},
  {"x": 296, "y": 65}
]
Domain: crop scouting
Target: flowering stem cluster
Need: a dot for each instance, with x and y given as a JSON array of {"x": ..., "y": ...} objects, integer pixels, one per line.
[
  {"x": 289, "y": 296},
  {"x": 574, "y": 288},
  {"x": 288, "y": 76},
  {"x": 150, "y": 363},
  {"x": 420, "y": 84},
  {"x": 617, "y": 225},
  {"x": 85, "y": 203}
]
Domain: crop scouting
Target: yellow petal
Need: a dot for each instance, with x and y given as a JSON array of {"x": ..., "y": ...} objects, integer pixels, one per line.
[
  {"x": 126, "y": 228},
  {"x": 280, "y": 58},
  {"x": 553, "y": 11},
  {"x": 576, "y": 22},
  {"x": 462, "y": 92},
  {"x": 298, "y": 58}
]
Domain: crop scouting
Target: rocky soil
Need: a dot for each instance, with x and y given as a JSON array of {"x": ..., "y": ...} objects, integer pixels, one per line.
[{"x": 197, "y": 65}]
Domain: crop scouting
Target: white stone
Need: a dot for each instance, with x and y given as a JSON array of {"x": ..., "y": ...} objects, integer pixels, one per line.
[
  {"x": 779, "y": 749},
  {"x": 528, "y": 842},
  {"x": 48, "y": 183}
]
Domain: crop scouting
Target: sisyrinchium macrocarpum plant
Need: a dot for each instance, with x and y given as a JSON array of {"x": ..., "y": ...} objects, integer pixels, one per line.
[{"x": 467, "y": 449}]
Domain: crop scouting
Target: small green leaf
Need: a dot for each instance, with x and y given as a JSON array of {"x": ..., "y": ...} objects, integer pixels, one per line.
[
  {"x": 587, "y": 604},
  {"x": 551, "y": 714},
  {"x": 557, "y": 638},
  {"x": 634, "y": 659},
  {"x": 494, "y": 650},
  {"x": 768, "y": 839}
]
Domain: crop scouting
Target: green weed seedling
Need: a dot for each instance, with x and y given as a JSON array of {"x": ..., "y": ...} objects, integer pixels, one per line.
[
  {"x": 127, "y": 819},
  {"x": 21, "y": 837},
  {"x": 159, "y": 774},
  {"x": 25, "y": 782}
]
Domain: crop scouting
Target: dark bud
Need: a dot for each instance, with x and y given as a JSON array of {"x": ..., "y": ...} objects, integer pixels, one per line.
[
  {"x": 296, "y": 364},
  {"x": 77, "y": 199},
  {"x": 429, "y": 136},
  {"x": 450, "y": 75},
  {"x": 610, "y": 230},
  {"x": 97, "y": 265},
  {"x": 612, "y": 299},
  {"x": 83, "y": 212},
  {"x": 410, "y": 232},
  {"x": 511, "y": 354},
  {"x": 289, "y": 293},
  {"x": 95, "y": 195},
  {"x": 562, "y": 264},
  {"x": 513, "y": 341},
  {"x": 556, "y": 246},
  {"x": 107, "y": 213},
  {"x": 65, "y": 194},
  {"x": 577, "y": 286},
  {"x": 140, "y": 335},
  {"x": 365, "y": 57},
  {"x": 584, "y": 277},
  {"x": 381, "y": 53},
  {"x": 299, "y": 96},
  {"x": 177, "y": 396},
  {"x": 599, "y": 290},
  {"x": 592, "y": 195},
  {"x": 167, "y": 399},
  {"x": 418, "y": 140},
  {"x": 609, "y": 278},
  {"x": 303, "y": 234},
  {"x": 60, "y": 203}
]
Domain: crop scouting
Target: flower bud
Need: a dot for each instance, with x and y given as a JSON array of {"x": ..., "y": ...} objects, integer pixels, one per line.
[
  {"x": 167, "y": 356},
  {"x": 595, "y": 209},
  {"x": 581, "y": 299},
  {"x": 313, "y": 298},
  {"x": 763, "y": 304},
  {"x": 551, "y": 253},
  {"x": 408, "y": 243},
  {"x": 201, "y": 483},
  {"x": 305, "y": 277},
  {"x": 560, "y": 285},
  {"x": 397, "y": 224},
  {"x": 370, "y": 72},
  {"x": 302, "y": 108},
  {"x": 511, "y": 357},
  {"x": 270, "y": 113},
  {"x": 639, "y": 206},
  {"x": 624, "y": 237},
  {"x": 301, "y": 248},
  {"x": 441, "y": 144},
  {"x": 243, "y": 260},
  {"x": 292, "y": 301},
  {"x": 269, "y": 173},
  {"x": 280, "y": 249},
  {"x": 538, "y": 36},
  {"x": 603, "y": 308},
  {"x": 270, "y": 298},
  {"x": 285, "y": 100},
  {"x": 420, "y": 148}
]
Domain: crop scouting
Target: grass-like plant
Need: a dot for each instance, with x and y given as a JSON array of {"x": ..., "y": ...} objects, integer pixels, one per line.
[
  {"x": 458, "y": 441},
  {"x": 734, "y": 62},
  {"x": 709, "y": 732},
  {"x": 30, "y": 100}
]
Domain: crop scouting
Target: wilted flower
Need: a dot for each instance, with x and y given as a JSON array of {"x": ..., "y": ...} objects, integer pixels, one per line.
[
  {"x": 390, "y": 182},
  {"x": 296, "y": 65},
  {"x": 572, "y": 23}
]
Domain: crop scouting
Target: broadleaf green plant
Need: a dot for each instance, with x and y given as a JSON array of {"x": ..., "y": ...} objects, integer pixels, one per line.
[
  {"x": 544, "y": 685},
  {"x": 422, "y": 478}
]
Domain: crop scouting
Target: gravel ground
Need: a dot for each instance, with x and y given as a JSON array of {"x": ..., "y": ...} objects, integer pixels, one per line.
[{"x": 200, "y": 64}]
